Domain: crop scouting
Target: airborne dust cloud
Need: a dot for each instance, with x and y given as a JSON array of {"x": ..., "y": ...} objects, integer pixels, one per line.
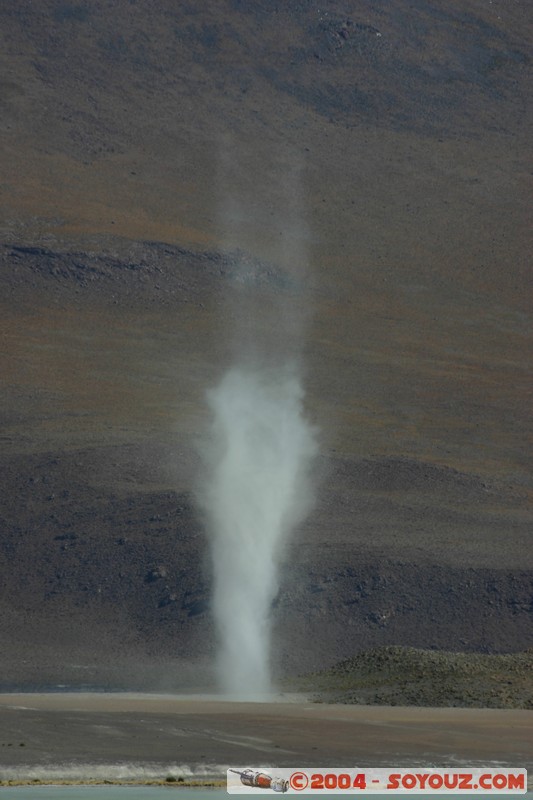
[{"x": 260, "y": 448}]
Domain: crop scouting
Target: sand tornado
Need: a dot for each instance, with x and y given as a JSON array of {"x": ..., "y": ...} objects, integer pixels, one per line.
[{"x": 260, "y": 447}]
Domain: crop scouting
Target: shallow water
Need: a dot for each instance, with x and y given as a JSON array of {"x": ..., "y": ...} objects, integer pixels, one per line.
[
  {"x": 101, "y": 793},
  {"x": 160, "y": 792}
]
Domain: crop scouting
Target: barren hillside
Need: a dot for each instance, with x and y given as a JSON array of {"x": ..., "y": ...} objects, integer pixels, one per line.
[{"x": 363, "y": 172}]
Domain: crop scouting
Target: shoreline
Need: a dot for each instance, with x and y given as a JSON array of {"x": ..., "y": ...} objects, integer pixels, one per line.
[{"x": 215, "y": 784}]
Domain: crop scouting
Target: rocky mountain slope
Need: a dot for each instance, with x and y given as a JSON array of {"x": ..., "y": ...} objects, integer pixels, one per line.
[
  {"x": 405, "y": 676},
  {"x": 346, "y": 184}
]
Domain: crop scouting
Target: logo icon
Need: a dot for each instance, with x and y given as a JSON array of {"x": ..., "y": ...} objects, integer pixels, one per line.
[{"x": 260, "y": 780}]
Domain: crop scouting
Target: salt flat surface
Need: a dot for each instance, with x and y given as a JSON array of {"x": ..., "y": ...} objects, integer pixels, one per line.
[{"x": 203, "y": 735}]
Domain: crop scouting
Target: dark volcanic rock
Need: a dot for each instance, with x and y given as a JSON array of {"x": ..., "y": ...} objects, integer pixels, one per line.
[
  {"x": 146, "y": 273},
  {"x": 149, "y": 588}
]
